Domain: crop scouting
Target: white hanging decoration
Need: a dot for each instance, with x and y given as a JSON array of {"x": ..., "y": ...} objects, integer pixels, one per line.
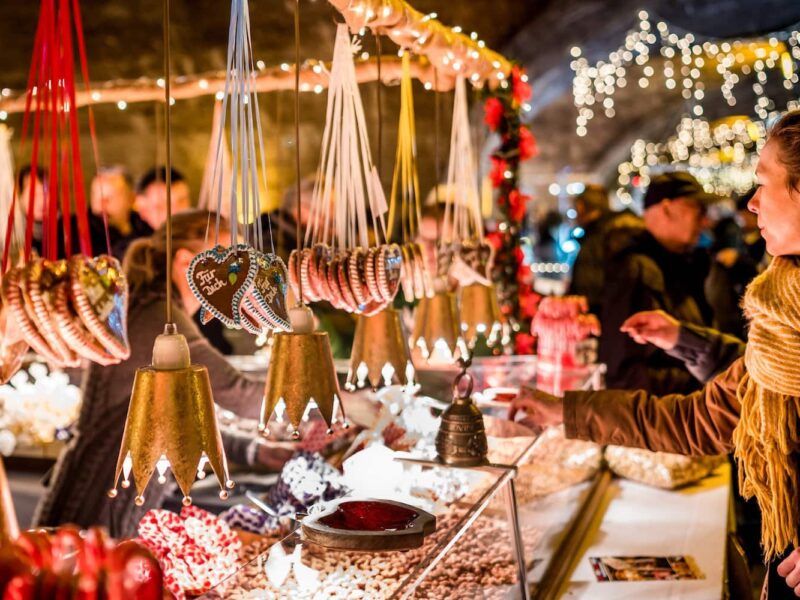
[
  {"x": 345, "y": 259},
  {"x": 462, "y": 248},
  {"x": 465, "y": 254},
  {"x": 243, "y": 285},
  {"x": 211, "y": 174}
]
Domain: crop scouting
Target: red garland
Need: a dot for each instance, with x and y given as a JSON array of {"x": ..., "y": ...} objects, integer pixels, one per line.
[
  {"x": 513, "y": 276},
  {"x": 493, "y": 113}
]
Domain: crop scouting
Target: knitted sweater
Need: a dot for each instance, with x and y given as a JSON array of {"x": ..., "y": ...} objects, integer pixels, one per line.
[{"x": 85, "y": 470}]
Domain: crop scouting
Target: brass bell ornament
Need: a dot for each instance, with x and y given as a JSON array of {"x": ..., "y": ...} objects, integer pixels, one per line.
[
  {"x": 461, "y": 440},
  {"x": 171, "y": 423},
  {"x": 301, "y": 376},
  {"x": 380, "y": 355}
]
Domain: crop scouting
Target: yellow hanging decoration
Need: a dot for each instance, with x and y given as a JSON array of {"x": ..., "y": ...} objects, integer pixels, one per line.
[{"x": 405, "y": 197}]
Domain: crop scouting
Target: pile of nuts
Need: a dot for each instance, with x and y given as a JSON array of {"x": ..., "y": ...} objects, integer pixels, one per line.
[{"x": 480, "y": 565}]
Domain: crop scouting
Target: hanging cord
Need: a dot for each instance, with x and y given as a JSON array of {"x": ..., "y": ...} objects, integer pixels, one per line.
[
  {"x": 297, "y": 133},
  {"x": 380, "y": 107},
  {"x": 436, "y": 157},
  {"x": 168, "y": 161}
]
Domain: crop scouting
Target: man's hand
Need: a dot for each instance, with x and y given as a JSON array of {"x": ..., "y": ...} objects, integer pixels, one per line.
[
  {"x": 790, "y": 569},
  {"x": 653, "y": 327},
  {"x": 541, "y": 409}
]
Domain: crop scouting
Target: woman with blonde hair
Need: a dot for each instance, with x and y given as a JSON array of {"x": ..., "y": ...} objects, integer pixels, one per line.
[
  {"x": 752, "y": 408},
  {"x": 85, "y": 470}
]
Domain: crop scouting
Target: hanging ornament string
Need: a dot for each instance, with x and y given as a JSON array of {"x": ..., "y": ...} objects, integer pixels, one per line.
[
  {"x": 405, "y": 201},
  {"x": 345, "y": 259},
  {"x": 51, "y": 80},
  {"x": 168, "y": 159},
  {"x": 75, "y": 308},
  {"x": 242, "y": 286},
  {"x": 378, "y": 102},
  {"x": 466, "y": 255},
  {"x": 298, "y": 188}
]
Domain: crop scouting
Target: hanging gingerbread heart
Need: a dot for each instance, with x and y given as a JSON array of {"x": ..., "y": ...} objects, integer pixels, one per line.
[
  {"x": 99, "y": 294},
  {"x": 220, "y": 278},
  {"x": 389, "y": 268},
  {"x": 12, "y": 346},
  {"x": 73, "y": 330},
  {"x": 40, "y": 278},
  {"x": 269, "y": 291},
  {"x": 15, "y": 303},
  {"x": 357, "y": 274}
]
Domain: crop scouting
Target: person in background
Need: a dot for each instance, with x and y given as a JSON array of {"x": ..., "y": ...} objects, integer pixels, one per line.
[
  {"x": 112, "y": 194},
  {"x": 656, "y": 270},
  {"x": 604, "y": 232},
  {"x": 732, "y": 269},
  {"x": 24, "y": 184},
  {"x": 754, "y": 244},
  {"x": 151, "y": 195},
  {"x": 85, "y": 469}
]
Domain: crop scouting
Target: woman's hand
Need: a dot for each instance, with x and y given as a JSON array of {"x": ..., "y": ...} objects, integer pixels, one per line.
[
  {"x": 541, "y": 409},
  {"x": 653, "y": 327},
  {"x": 790, "y": 569}
]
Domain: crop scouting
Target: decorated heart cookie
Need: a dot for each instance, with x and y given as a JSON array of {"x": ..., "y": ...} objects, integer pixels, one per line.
[
  {"x": 99, "y": 294},
  {"x": 12, "y": 346},
  {"x": 72, "y": 329},
  {"x": 268, "y": 293},
  {"x": 40, "y": 278},
  {"x": 15, "y": 303},
  {"x": 389, "y": 268},
  {"x": 220, "y": 278},
  {"x": 357, "y": 274}
]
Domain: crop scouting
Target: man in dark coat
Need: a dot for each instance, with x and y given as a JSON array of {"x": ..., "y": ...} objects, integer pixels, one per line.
[
  {"x": 656, "y": 270},
  {"x": 603, "y": 230}
]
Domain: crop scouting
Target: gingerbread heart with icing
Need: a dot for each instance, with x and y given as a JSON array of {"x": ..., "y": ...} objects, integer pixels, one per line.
[
  {"x": 99, "y": 294},
  {"x": 268, "y": 294},
  {"x": 220, "y": 278}
]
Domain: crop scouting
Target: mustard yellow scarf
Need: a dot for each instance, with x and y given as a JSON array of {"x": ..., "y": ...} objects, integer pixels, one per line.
[{"x": 766, "y": 440}]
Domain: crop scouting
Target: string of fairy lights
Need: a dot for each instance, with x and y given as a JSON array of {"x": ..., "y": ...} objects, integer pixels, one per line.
[{"x": 721, "y": 154}]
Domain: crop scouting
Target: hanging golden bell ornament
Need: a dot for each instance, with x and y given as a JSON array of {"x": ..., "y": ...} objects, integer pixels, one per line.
[
  {"x": 171, "y": 423},
  {"x": 9, "y": 527},
  {"x": 301, "y": 376},
  {"x": 436, "y": 339},
  {"x": 380, "y": 353},
  {"x": 461, "y": 440},
  {"x": 480, "y": 314}
]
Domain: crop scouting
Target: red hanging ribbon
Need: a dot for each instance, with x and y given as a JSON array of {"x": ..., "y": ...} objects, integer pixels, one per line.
[{"x": 25, "y": 125}]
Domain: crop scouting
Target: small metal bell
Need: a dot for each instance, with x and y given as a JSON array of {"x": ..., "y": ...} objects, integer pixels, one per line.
[{"x": 461, "y": 440}]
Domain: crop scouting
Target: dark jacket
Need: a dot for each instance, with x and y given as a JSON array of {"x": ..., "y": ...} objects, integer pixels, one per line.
[
  {"x": 85, "y": 470},
  {"x": 601, "y": 238},
  {"x": 646, "y": 276}
]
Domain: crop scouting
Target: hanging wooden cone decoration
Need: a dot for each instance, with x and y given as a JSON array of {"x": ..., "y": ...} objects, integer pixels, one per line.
[
  {"x": 436, "y": 339},
  {"x": 171, "y": 422},
  {"x": 9, "y": 527},
  {"x": 380, "y": 355},
  {"x": 480, "y": 314},
  {"x": 301, "y": 375}
]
